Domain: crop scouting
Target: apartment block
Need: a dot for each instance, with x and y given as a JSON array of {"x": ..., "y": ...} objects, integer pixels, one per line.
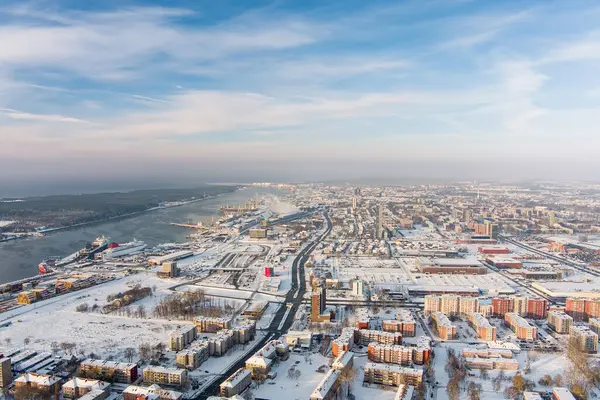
[
  {"x": 468, "y": 305},
  {"x": 166, "y": 376},
  {"x": 409, "y": 325},
  {"x": 109, "y": 370},
  {"x": 595, "y": 325},
  {"x": 522, "y": 329},
  {"x": 193, "y": 357},
  {"x": 331, "y": 386},
  {"x": 152, "y": 392},
  {"x": 47, "y": 384},
  {"x": 211, "y": 325},
  {"x": 77, "y": 387},
  {"x": 442, "y": 325},
  {"x": 366, "y": 336},
  {"x": 344, "y": 342},
  {"x": 391, "y": 375},
  {"x": 576, "y": 309},
  {"x": 482, "y": 326},
  {"x": 182, "y": 337},
  {"x": 585, "y": 337},
  {"x": 236, "y": 383},
  {"x": 501, "y": 306},
  {"x": 404, "y": 323},
  {"x": 559, "y": 321},
  {"x": 537, "y": 308},
  {"x": 396, "y": 354}
]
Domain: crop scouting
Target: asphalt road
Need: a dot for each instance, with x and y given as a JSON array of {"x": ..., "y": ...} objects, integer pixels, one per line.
[{"x": 294, "y": 296}]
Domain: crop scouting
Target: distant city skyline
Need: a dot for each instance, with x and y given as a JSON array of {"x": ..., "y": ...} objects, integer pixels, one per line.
[{"x": 188, "y": 92}]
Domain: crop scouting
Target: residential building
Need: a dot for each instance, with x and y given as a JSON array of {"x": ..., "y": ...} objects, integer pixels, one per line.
[
  {"x": 236, "y": 383},
  {"x": 409, "y": 325},
  {"x": 391, "y": 375},
  {"x": 501, "y": 306},
  {"x": 109, "y": 371},
  {"x": 220, "y": 344},
  {"x": 357, "y": 288},
  {"x": 167, "y": 376},
  {"x": 182, "y": 337},
  {"x": 575, "y": 307},
  {"x": 43, "y": 383},
  {"x": 212, "y": 325},
  {"x": 193, "y": 357},
  {"x": 595, "y": 325},
  {"x": 366, "y": 336},
  {"x": 585, "y": 337},
  {"x": 520, "y": 326},
  {"x": 344, "y": 342},
  {"x": 537, "y": 308},
  {"x": 482, "y": 326},
  {"x": 331, "y": 386},
  {"x": 559, "y": 321},
  {"x": 442, "y": 325},
  {"x": 396, "y": 354},
  {"x": 152, "y": 392},
  {"x": 77, "y": 387},
  {"x": 468, "y": 305}
]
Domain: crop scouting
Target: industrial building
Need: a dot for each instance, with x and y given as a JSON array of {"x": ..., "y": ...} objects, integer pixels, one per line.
[{"x": 450, "y": 266}]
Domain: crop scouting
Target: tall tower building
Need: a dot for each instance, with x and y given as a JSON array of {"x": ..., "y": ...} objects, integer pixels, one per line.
[
  {"x": 354, "y": 202},
  {"x": 379, "y": 221},
  {"x": 5, "y": 372}
]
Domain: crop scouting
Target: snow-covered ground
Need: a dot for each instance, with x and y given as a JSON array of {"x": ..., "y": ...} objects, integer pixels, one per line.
[{"x": 55, "y": 320}]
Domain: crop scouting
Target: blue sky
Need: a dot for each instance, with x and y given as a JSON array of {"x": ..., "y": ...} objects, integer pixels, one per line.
[{"x": 299, "y": 89}]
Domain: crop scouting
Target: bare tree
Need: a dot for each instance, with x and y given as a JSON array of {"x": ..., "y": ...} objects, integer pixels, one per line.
[
  {"x": 26, "y": 341},
  {"x": 129, "y": 353}
]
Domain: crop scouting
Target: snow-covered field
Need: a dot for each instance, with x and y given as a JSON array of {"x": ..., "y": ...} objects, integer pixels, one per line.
[{"x": 55, "y": 320}]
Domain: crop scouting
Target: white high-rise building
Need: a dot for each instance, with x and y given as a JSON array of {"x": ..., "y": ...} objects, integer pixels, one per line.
[{"x": 357, "y": 288}]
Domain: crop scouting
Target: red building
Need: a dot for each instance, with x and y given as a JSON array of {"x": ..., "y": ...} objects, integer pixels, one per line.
[
  {"x": 592, "y": 308},
  {"x": 537, "y": 308},
  {"x": 576, "y": 309},
  {"x": 501, "y": 306},
  {"x": 269, "y": 271},
  {"x": 491, "y": 249}
]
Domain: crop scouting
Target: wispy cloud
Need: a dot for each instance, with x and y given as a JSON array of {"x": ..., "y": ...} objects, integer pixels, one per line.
[
  {"x": 20, "y": 115},
  {"x": 427, "y": 79}
]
